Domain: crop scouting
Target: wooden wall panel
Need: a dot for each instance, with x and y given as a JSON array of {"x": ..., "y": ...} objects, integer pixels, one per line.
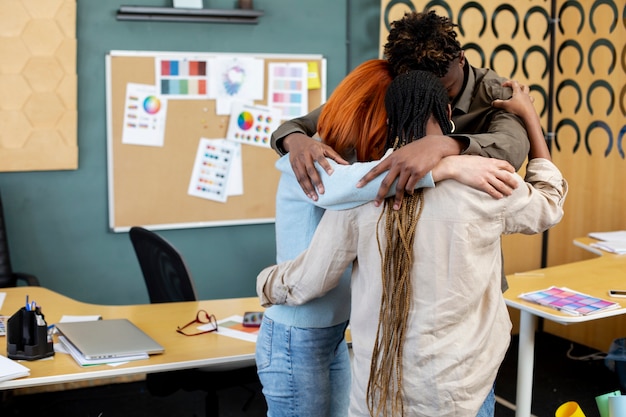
[
  {"x": 589, "y": 111},
  {"x": 38, "y": 85}
]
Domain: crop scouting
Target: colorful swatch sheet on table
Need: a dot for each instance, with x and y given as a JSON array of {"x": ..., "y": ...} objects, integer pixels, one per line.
[{"x": 569, "y": 301}]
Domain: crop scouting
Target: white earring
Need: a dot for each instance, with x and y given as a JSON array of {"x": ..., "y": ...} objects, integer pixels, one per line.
[{"x": 453, "y": 126}]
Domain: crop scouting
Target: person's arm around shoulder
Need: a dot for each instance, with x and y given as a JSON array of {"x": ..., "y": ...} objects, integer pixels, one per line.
[
  {"x": 542, "y": 206},
  {"x": 521, "y": 105},
  {"x": 295, "y": 138},
  {"x": 305, "y": 125},
  {"x": 409, "y": 164},
  {"x": 505, "y": 136},
  {"x": 490, "y": 175},
  {"x": 404, "y": 166},
  {"x": 340, "y": 192}
]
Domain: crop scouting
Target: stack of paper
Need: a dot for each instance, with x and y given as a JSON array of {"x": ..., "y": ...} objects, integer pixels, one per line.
[
  {"x": 614, "y": 242},
  {"x": 10, "y": 369}
]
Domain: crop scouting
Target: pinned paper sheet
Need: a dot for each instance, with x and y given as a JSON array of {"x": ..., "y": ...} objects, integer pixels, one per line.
[
  {"x": 212, "y": 169},
  {"x": 144, "y": 116},
  {"x": 235, "y": 78},
  {"x": 186, "y": 77},
  {"x": 314, "y": 76},
  {"x": 288, "y": 88},
  {"x": 252, "y": 125}
]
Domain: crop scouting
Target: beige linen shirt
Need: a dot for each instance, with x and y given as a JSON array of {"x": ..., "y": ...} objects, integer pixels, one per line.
[{"x": 459, "y": 328}]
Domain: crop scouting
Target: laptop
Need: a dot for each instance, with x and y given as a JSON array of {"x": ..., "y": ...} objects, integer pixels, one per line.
[{"x": 103, "y": 339}]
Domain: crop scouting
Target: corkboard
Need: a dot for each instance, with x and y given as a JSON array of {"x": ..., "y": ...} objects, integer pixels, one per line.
[{"x": 148, "y": 185}]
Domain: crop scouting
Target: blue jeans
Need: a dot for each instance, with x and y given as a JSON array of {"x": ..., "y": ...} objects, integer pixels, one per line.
[
  {"x": 488, "y": 409},
  {"x": 305, "y": 372}
]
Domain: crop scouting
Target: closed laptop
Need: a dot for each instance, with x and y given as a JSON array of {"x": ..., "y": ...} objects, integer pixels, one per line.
[{"x": 111, "y": 338}]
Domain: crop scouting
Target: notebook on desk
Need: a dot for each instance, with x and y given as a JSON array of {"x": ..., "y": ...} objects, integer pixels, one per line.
[{"x": 113, "y": 338}]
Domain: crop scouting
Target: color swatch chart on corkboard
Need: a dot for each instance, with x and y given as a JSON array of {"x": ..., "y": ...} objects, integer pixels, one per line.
[
  {"x": 182, "y": 77},
  {"x": 288, "y": 88}
]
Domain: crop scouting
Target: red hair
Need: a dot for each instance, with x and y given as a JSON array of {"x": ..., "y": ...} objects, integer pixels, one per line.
[{"x": 354, "y": 117}]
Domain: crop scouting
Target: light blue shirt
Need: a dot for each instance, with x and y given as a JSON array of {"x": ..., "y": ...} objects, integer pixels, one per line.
[{"x": 297, "y": 217}]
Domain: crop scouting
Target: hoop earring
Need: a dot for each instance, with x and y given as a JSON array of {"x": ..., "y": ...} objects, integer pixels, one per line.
[{"x": 453, "y": 126}]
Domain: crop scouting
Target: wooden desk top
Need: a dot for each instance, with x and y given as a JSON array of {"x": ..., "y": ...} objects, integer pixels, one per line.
[
  {"x": 157, "y": 320},
  {"x": 594, "y": 277}
]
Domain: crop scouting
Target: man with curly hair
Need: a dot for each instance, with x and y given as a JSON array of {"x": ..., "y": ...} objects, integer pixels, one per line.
[{"x": 421, "y": 41}]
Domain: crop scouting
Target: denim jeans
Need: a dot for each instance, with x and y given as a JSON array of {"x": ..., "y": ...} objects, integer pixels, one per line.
[
  {"x": 305, "y": 372},
  {"x": 488, "y": 409}
]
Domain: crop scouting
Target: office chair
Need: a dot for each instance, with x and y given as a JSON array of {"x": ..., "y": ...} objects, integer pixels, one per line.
[
  {"x": 166, "y": 274},
  {"x": 9, "y": 278},
  {"x": 168, "y": 280}
]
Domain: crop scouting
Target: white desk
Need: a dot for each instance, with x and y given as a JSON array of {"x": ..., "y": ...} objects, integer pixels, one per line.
[
  {"x": 594, "y": 277},
  {"x": 157, "y": 320}
]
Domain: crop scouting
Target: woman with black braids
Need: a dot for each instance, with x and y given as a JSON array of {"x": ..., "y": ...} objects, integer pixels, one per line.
[{"x": 429, "y": 270}]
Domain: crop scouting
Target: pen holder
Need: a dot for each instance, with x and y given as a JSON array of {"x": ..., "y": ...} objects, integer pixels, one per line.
[{"x": 27, "y": 335}]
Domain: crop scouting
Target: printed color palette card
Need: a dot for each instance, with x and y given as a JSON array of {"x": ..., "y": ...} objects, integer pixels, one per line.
[{"x": 569, "y": 301}]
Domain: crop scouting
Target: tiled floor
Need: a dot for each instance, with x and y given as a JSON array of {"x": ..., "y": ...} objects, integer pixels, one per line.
[{"x": 557, "y": 380}]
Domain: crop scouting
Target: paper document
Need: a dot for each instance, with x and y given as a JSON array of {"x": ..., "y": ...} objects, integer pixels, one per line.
[
  {"x": 614, "y": 242},
  {"x": 233, "y": 327},
  {"x": 10, "y": 369},
  {"x": 619, "y": 235}
]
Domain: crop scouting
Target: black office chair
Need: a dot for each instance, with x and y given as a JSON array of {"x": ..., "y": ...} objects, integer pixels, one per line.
[
  {"x": 166, "y": 274},
  {"x": 8, "y": 277},
  {"x": 168, "y": 280}
]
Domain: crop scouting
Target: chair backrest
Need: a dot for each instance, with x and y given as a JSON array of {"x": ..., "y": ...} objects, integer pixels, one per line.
[
  {"x": 7, "y": 278},
  {"x": 164, "y": 269}
]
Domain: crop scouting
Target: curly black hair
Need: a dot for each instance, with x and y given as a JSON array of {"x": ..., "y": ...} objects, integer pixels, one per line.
[{"x": 422, "y": 41}]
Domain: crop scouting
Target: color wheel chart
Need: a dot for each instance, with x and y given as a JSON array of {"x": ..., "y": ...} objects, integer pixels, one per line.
[
  {"x": 252, "y": 125},
  {"x": 144, "y": 116},
  {"x": 152, "y": 105},
  {"x": 211, "y": 171},
  {"x": 182, "y": 77}
]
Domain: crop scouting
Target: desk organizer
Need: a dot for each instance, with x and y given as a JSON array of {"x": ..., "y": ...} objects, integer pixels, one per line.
[{"x": 27, "y": 336}]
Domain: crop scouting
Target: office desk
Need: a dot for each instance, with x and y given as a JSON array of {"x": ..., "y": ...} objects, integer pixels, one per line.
[
  {"x": 157, "y": 320},
  {"x": 594, "y": 276}
]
